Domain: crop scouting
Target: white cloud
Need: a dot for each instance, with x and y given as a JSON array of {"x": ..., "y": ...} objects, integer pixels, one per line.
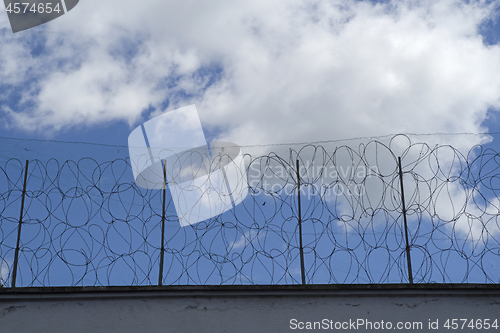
[
  {"x": 245, "y": 239},
  {"x": 292, "y": 70},
  {"x": 5, "y": 271},
  {"x": 289, "y": 70}
]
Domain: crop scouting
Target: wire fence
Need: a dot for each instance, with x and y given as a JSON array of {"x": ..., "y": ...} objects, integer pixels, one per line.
[{"x": 315, "y": 215}]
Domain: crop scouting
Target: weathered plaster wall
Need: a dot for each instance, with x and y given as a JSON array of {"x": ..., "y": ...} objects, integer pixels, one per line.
[{"x": 246, "y": 308}]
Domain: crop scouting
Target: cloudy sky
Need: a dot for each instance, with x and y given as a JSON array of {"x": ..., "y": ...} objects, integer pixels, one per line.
[
  {"x": 259, "y": 72},
  {"x": 263, "y": 71}
]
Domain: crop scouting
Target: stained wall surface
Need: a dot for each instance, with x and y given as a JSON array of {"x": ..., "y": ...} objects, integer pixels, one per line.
[{"x": 363, "y": 308}]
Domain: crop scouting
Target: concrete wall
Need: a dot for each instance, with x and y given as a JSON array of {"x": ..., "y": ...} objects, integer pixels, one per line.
[{"x": 249, "y": 308}]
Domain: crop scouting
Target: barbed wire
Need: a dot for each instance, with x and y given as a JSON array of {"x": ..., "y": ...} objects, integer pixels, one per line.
[
  {"x": 88, "y": 223},
  {"x": 373, "y": 137}
]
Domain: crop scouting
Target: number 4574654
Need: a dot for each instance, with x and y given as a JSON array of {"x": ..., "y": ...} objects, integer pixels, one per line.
[{"x": 24, "y": 7}]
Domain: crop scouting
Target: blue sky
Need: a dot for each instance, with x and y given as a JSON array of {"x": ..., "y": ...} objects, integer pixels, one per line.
[
  {"x": 260, "y": 72},
  {"x": 290, "y": 64}
]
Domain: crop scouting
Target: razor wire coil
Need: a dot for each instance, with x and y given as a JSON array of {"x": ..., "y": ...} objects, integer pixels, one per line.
[{"x": 87, "y": 223}]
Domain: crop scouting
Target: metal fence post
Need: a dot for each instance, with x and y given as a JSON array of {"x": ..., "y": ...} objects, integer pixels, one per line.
[
  {"x": 162, "y": 247},
  {"x": 16, "y": 254},
  {"x": 301, "y": 248},
  {"x": 408, "y": 258}
]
